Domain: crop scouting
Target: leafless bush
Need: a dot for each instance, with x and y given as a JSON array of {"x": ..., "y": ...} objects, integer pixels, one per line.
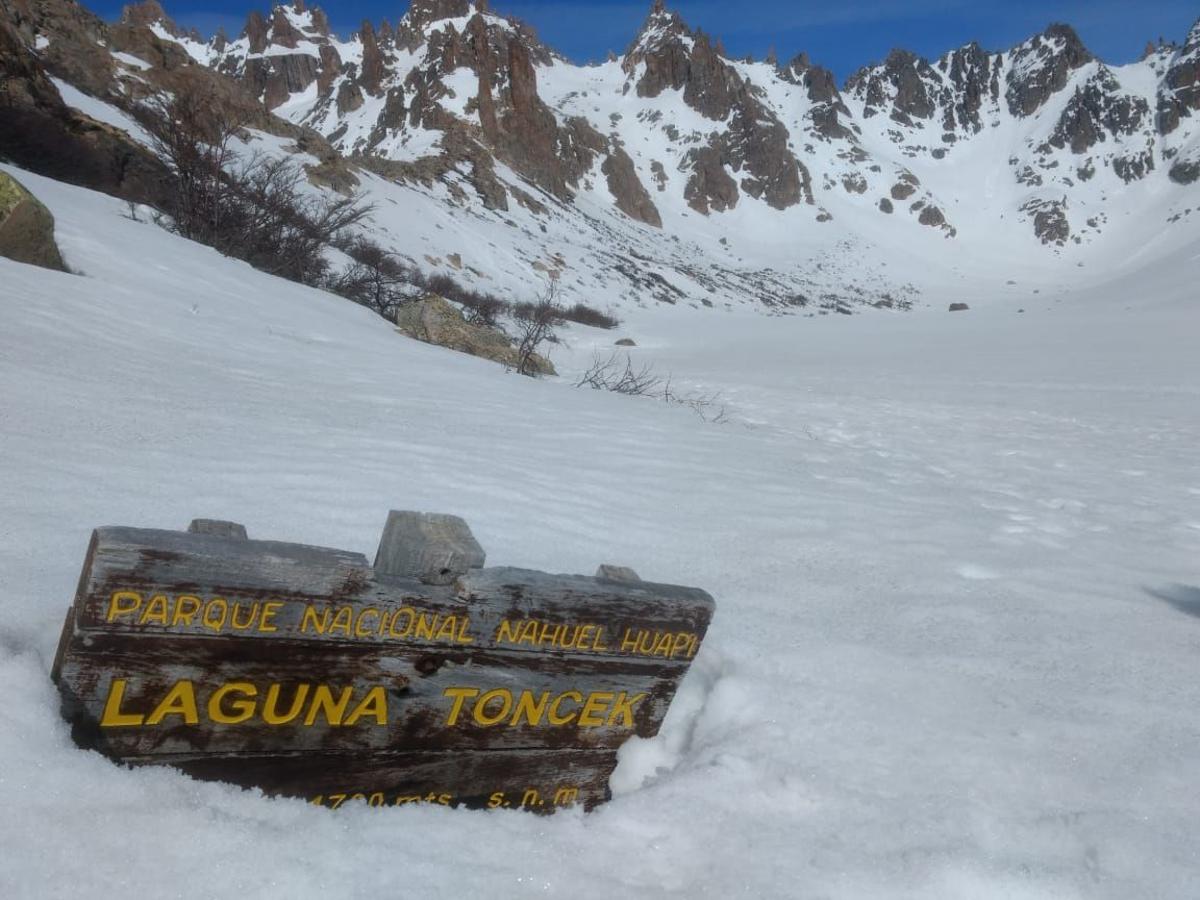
[
  {"x": 623, "y": 376},
  {"x": 589, "y": 315},
  {"x": 256, "y": 209},
  {"x": 535, "y": 326},
  {"x": 377, "y": 279},
  {"x": 194, "y": 133},
  {"x": 611, "y": 374}
]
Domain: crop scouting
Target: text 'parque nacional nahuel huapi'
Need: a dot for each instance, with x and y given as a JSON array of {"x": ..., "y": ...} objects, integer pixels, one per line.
[{"x": 425, "y": 678}]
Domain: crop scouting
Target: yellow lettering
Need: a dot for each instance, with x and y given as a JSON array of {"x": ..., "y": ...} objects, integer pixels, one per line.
[
  {"x": 595, "y": 705},
  {"x": 623, "y": 708},
  {"x": 270, "y": 608},
  {"x": 460, "y": 696},
  {"x": 555, "y": 718},
  {"x": 531, "y": 709},
  {"x": 407, "y": 630},
  {"x": 599, "y": 644},
  {"x": 187, "y": 608},
  {"x": 496, "y": 800},
  {"x": 425, "y": 627},
  {"x": 362, "y": 618},
  {"x": 566, "y": 796},
  {"x": 319, "y": 625},
  {"x": 243, "y": 709},
  {"x": 446, "y": 632},
  {"x": 249, "y": 623},
  {"x": 528, "y": 633},
  {"x": 270, "y": 712},
  {"x": 219, "y": 606},
  {"x": 628, "y": 643},
  {"x": 123, "y": 603},
  {"x": 680, "y": 643},
  {"x": 113, "y": 717},
  {"x": 506, "y": 632},
  {"x": 581, "y": 637},
  {"x": 483, "y": 717},
  {"x": 463, "y": 637},
  {"x": 323, "y": 702},
  {"x": 662, "y": 646},
  {"x": 155, "y": 611},
  {"x": 342, "y": 620},
  {"x": 180, "y": 701},
  {"x": 373, "y": 704}
]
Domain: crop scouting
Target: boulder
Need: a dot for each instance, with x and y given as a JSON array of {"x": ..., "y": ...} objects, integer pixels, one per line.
[
  {"x": 959, "y": 307},
  {"x": 626, "y": 342},
  {"x": 26, "y": 227},
  {"x": 435, "y": 320}
]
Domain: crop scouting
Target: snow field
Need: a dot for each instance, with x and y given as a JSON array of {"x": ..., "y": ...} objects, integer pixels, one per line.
[{"x": 953, "y": 556}]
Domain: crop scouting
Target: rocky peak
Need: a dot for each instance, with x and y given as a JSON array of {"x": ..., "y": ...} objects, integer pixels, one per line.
[
  {"x": 256, "y": 31},
  {"x": 902, "y": 83},
  {"x": 1179, "y": 93},
  {"x": 821, "y": 86},
  {"x": 1040, "y": 67},
  {"x": 662, "y": 29},
  {"x": 147, "y": 13},
  {"x": 972, "y": 77},
  {"x": 423, "y": 12}
]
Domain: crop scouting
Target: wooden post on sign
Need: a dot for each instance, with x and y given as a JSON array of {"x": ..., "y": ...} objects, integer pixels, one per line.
[{"x": 307, "y": 672}]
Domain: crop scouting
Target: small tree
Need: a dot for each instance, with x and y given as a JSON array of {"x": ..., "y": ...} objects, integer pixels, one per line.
[
  {"x": 536, "y": 323},
  {"x": 194, "y": 132}
]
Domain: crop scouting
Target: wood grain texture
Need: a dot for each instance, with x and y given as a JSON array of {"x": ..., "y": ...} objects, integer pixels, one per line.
[
  {"x": 470, "y": 779},
  {"x": 303, "y": 671}
]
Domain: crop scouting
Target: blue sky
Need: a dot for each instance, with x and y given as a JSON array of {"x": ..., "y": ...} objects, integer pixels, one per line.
[{"x": 841, "y": 34}]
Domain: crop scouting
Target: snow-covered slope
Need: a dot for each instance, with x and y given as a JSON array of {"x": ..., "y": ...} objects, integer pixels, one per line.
[
  {"x": 676, "y": 174},
  {"x": 955, "y": 558}
]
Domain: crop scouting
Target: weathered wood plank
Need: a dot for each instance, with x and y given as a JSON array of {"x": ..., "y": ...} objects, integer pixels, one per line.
[
  {"x": 113, "y": 686},
  {"x": 537, "y": 780},
  {"x": 218, "y": 527},
  {"x": 432, "y": 547},
  {"x": 157, "y": 582},
  {"x": 306, "y": 672}
]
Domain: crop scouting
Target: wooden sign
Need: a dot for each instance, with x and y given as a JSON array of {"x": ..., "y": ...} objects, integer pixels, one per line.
[{"x": 425, "y": 678}]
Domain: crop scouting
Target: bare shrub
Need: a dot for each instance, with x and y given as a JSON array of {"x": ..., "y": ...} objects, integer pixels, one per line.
[
  {"x": 589, "y": 315},
  {"x": 622, "y": 376},
  {"x": 378, "y": 279},
  {"x": 612, "y": 374},
  {"x": 535, "y": 326},
  {"x": 257, "y": 209}
]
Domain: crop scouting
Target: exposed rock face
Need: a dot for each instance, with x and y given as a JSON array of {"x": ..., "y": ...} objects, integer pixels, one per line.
[
  {"x": 900, "y": 85},
  {"x": 672, "y": 57},
  {"x": 710, "y": 187},
  {"x": 40, "y": 133},
  {"x": 828, "y": 107},
  {"x": 1040, "y": 68},
  {"x": 1185, "y": 172},
  {"x": 972, "y": 77},
  {"x": 632, "y": 197},
  {"x": 26, "y": 227},
  {"x": 435, "y": 320},
  {"x": 1179, "y": 94},
  {"x": 1097, "y": 110},
  {"x": 1050, "y": 222}
]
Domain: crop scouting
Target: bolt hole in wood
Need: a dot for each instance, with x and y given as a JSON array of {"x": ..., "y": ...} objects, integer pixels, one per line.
[{"x": 424, "y": 678}]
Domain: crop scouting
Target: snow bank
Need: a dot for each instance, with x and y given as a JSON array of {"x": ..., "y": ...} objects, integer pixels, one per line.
[{"x": 955, "y": 559}]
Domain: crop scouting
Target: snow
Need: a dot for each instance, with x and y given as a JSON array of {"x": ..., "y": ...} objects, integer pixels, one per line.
[
  {"x": 955, "y": 560},
  {"x": 130, "y": 60},
  {"x": 101, "y": 111}
]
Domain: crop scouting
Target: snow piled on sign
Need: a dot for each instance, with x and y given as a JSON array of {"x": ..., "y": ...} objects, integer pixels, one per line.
[{"x": 956, "y": 560}]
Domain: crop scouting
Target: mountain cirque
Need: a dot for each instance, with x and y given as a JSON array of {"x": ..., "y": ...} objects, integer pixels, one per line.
[{"x": 674, "y": 172}]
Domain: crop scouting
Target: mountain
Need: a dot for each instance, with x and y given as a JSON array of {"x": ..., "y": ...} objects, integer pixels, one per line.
[{"x": 675, "y": 173}]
